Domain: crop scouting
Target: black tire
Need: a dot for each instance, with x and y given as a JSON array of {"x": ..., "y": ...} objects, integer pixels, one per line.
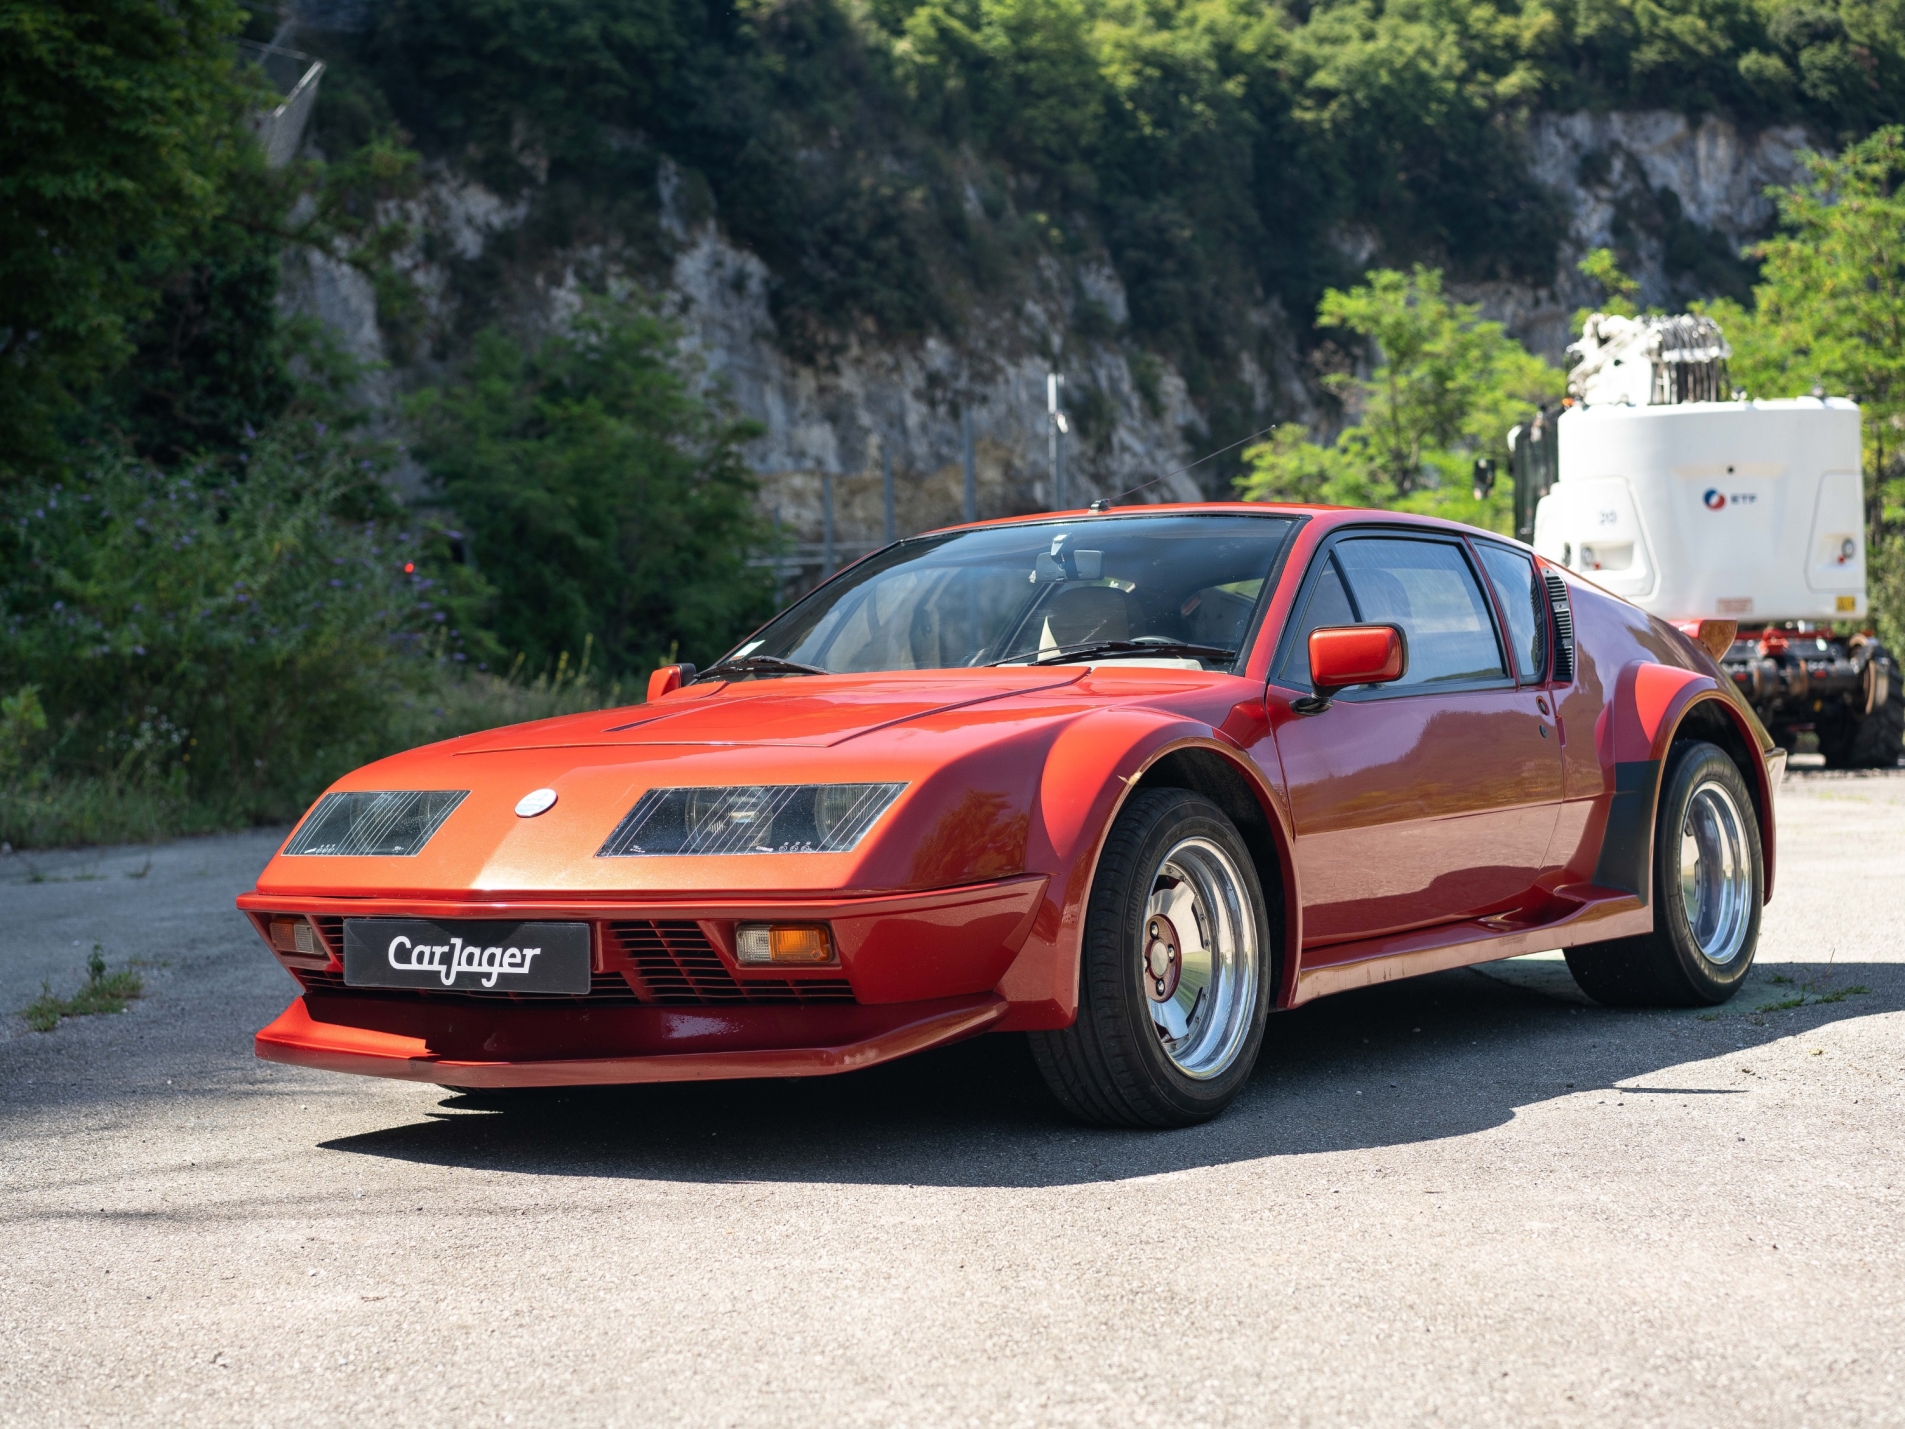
[
  {"x": 1669, "y": 967},
  {"x": 1878, "y": 739},
  {"x": 1111, "y": 1067}
]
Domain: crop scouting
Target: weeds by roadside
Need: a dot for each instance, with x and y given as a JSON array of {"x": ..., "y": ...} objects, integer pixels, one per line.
[
  {"x": 1810, "y": 993},
  {"x": 101, "y": 992},
  {"x": 1813, "y": 990}
]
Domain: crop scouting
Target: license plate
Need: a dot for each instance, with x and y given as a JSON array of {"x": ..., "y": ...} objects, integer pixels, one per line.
[{"x": 466, "y": 956}]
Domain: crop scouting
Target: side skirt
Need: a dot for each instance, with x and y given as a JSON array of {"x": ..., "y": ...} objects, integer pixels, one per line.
[{"x": 1578, "y": 913}]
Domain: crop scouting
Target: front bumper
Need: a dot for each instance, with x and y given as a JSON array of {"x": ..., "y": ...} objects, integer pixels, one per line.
[{"x": 669, "y": 1001}]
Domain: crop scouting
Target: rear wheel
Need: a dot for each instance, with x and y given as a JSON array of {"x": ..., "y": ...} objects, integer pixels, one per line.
[
  {"x": 1708, "y": 884},
  {"x": 1175, "y": 973}
]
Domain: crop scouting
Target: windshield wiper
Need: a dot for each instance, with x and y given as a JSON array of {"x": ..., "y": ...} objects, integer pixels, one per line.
[
  {"x": 757, "y": 665},
  {"x": 1120, "y": 649}
]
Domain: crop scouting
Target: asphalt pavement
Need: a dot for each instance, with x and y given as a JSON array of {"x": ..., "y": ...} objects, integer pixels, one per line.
[{"x": 1471, "y": 1199}]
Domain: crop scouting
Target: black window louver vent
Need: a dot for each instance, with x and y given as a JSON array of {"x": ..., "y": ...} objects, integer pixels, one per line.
[{"x": 1563, "y": 629}]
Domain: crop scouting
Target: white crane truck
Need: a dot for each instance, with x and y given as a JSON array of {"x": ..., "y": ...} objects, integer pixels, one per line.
[{"x": 1706, "y": 508}]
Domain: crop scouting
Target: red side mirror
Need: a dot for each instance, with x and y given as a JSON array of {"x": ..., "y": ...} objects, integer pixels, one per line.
[
  {"x": 1345, "y": 655},
  {"x": 669, "y": 678}
]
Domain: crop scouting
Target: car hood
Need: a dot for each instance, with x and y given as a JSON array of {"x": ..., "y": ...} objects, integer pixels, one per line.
[
  {"x": 806, "y": 711},
  {"x": 968, "y": 747}
]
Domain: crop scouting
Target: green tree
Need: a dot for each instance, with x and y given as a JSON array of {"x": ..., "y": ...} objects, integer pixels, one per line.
[
  {"x": 1620, "y": 294},
  {"x": 1445, "y": 390},
  {"x": 1829, "y": 310},
  {"x": 120, "y": 121},
  {"x": 1829, "y": 313},
  {"x": 608, "y": 500}
]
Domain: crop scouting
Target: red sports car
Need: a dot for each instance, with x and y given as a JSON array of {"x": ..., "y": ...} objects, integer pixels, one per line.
[{"x": 1126, "y": 781}]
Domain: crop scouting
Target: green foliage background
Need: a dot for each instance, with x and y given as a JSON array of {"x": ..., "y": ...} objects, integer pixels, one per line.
[
  {"x": 1446, "y": 388},
  {"x": 611, "y": 502},
  {"x": 209, "y": 606},
  {"x": 892, "y": 160}
]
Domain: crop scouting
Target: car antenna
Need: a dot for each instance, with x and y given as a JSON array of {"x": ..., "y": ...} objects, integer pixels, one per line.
[{"x": 1104, "y": 503}]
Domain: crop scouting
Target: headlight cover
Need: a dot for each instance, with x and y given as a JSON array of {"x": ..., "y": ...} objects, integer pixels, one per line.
[
  {"x": 761, "y": 818},
  {"x": 394, "y": 823}
]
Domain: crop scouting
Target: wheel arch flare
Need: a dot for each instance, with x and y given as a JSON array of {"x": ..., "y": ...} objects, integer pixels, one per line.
[
  {"x": 1655, "y": 705},
  {"x": 1091, "y": 771}
]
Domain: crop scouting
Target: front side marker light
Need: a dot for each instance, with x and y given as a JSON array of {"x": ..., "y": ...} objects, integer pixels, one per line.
[{"x": 784, "y": 945}]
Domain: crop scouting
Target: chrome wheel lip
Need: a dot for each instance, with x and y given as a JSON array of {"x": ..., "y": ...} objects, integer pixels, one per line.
[
  {"x": 1716, "y": 873},
  {"x": 1197, "y": 889}
]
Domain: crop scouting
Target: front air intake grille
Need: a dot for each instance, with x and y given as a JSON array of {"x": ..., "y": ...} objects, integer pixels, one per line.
[
  {"x": 605, "y": 990},
  {"x": 331, "y": 930},
  {"x": 1563, "y": 628},
  {"x": 668, "y": 963},
  {"x": 675, "y": 964}
]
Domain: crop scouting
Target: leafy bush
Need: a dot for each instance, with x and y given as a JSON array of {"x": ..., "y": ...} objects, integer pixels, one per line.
[
  {"x": 235, "y": 636},
  {"x": 609, "y": 503}
]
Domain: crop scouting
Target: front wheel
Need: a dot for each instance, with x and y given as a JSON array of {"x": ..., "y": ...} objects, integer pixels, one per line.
[
  {"x": 1709, "y": 881},
  {"x": 1175, "y": 973}
]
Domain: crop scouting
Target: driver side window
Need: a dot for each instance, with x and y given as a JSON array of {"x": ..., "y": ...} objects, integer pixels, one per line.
[
  {"x": 1424, "y": 587},
  {"x": 1428, "y": 590}
]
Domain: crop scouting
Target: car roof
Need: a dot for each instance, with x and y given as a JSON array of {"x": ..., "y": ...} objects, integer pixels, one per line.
[{"x": 1329, "y": 515}]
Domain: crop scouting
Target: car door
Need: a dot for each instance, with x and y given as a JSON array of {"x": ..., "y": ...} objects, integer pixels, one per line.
[{"x": 1432, "y": 798}]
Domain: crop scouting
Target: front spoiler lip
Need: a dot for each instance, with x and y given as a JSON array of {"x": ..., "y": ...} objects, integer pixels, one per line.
[{"x": 297, "y": 1038}]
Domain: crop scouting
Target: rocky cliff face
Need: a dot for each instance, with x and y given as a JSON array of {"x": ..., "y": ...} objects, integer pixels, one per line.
[{"x": 1683, "y": 196}]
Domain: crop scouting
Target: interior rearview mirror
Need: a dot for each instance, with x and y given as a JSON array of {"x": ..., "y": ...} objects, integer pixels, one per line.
[{"x": 1346, "y": 655}]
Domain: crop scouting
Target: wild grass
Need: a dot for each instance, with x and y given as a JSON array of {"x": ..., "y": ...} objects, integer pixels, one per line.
[
  {"x": 1814, "y": 991},
  {"x": 101, "y": 992}
]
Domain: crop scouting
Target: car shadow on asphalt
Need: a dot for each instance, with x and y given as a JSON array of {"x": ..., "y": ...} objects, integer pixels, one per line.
[{"x": 1435, "y": 1057}]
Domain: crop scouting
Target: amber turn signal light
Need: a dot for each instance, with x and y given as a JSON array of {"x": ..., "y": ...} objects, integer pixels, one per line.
[
  {"x": 296, "y": 935},
  {"x": 784, "y": 944}
]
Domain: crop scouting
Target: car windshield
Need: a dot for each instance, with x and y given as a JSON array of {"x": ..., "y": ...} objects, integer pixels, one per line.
[{"x": 1097, "y": 587}]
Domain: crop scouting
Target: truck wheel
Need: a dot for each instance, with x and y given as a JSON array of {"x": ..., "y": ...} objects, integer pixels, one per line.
[
  {"x": 1175, "y": 971},
  {"x": 1879, "y": 737},
  {"x": 1708, "y": 883}
]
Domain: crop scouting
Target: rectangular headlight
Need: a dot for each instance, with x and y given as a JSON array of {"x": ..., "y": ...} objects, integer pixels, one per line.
[
  {"x": 763, "y": 818},
  {"x": 393, "y": 823}
]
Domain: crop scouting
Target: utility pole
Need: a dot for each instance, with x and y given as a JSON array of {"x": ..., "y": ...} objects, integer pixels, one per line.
[
  {"x": 826, "y": 524},
  {"x": 1059, "y": 428},
  {"x": 886, "y": 490},
  {"x": 965, "y": 445}
]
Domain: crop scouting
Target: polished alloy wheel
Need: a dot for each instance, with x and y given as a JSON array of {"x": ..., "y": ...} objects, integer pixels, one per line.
[
  {"x": 1198, "y": 958},
  {"x": 1716, "y": 877}
]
